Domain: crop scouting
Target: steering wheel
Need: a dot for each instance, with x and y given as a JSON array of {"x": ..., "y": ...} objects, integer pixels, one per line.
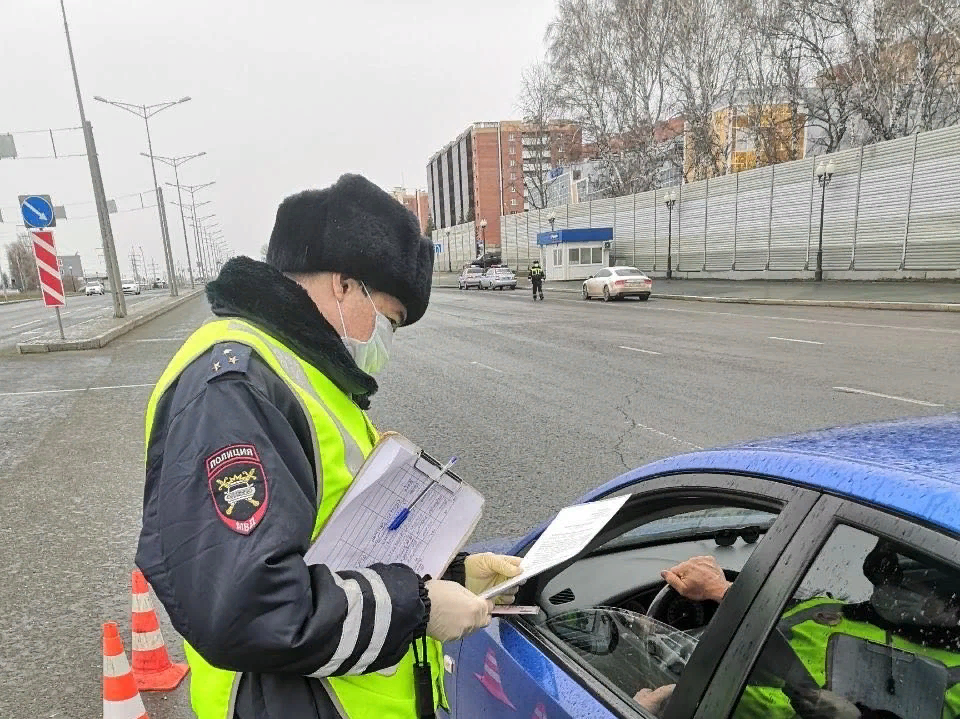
[
  {"x": 665, "y": 597},
  {"x": 668, "y": 597}
]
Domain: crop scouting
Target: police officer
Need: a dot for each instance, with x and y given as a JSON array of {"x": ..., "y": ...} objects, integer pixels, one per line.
[
  {"x": 917, "y": 617},
  {"x": 254, "y": 433},
  {"x": 536, "y": 275}
]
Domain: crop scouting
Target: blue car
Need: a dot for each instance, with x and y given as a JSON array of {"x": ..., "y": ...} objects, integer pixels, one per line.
[{"x": 841, "y": 553}]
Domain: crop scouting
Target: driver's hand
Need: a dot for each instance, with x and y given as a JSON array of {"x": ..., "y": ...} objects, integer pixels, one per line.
[
  {"x": 653, "y": 699},
  {"x": 698, "y": 578}
]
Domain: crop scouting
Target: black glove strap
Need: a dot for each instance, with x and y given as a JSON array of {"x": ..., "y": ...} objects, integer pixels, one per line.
[{"x": 422, "y": 680}]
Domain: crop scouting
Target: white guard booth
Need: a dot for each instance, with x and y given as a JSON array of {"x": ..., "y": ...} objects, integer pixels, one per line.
[{"x": 575, "y": 254}]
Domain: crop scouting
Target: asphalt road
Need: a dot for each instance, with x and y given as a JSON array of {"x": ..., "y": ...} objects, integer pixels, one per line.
[
  {"x": 21, "y": 321},
  {"x": 541, "y": 402}
]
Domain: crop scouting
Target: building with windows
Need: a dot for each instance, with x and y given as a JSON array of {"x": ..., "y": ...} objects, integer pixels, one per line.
[
  {"x": 492, "y": 169},
  {"x": 747, "y": 136},
  {"x": 416, "y": 202}
]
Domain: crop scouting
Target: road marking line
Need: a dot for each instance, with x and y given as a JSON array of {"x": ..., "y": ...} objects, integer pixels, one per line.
[
  {"x": 78, "y": 389},
  {"x": 30, "y": 332},
  {"x": 162, "y": 339},
  {"x": 26, "y": 324},
  {"x": 485, "y": 366},
  {"x": 851, "y": 390},
  {"x": 789, "y": 339},
  {"x": 637, "y": 349},
  {"x": 802, "y": 319}
]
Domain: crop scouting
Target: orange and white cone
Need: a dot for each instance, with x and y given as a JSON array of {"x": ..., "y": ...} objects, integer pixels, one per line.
[
  {"x": 491, "y": 679},
  {"x": 152, "y": 667},
  {"x": 121, "y": 700}
]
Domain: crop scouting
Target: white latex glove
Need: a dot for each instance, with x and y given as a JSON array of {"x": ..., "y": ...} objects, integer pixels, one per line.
[
  {"x": 488, "y": 570},
  {"x": 455, "y": 611}
]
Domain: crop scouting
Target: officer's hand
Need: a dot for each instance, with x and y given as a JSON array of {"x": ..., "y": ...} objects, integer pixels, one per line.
[
  {"x": 488, "y": 570},
  {"x": 653, "y": 699},
  {"x": 698, "y": 578},
  {"x": 455, "y": 611},
  {"x": 824, "y": 704}
]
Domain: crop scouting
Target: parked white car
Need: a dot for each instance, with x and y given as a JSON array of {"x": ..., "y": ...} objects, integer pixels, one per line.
[
  {"x": 498, "y": 278},
  {"x": 93, "y": 289},
  {"x": 131, "y": 288},
  {"x": 619, "y": 281}
]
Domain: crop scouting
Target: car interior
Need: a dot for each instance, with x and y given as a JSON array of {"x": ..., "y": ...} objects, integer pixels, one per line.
[{"x": 611, "y": 609}]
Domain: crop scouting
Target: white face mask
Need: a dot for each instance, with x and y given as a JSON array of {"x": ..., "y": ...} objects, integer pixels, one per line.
[{"x": 373, "y": 354}]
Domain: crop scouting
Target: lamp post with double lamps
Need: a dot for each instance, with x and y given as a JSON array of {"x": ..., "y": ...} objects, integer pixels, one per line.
[
  {"x": 824, "y": 174},
  {"x": 670, "y": 199}
]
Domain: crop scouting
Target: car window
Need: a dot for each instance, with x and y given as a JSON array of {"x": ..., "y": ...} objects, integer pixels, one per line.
[
  {"x": 631, "y": 650},
  {"x": 621, "y": 581},
  {"x": 628, "y": 272},
  {"x": 603, "y": 273},
  {"x": 873, "y": 629}
]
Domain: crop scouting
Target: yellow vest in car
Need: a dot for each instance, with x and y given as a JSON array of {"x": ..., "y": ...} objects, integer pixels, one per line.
[
  {"x": 808, "y": 628},
  {"x": 342, "y": 436}
]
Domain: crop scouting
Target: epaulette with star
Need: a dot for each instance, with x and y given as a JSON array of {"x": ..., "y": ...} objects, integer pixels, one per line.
[{"x": 228, "y": 357}]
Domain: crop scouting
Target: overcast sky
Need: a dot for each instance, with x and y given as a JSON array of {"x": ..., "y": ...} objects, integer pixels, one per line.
[{"x": 286, "y": 95}]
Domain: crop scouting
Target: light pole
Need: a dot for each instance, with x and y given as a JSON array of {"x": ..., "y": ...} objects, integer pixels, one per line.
[
  {"x": 670, "y": 199},
  {"x": 483, "y": 236},
  {"x": 175, "y": 163},
  {"x": 99, "y": 195},
  {"x": 449, "y": 259},
  {"x": 206, "y": 244},
  {"x": 193, "y": 190},
  {"x": 824, "y": 172},
  {"x": 146, "y": 112},
  {"x": 552, "y": 219}
]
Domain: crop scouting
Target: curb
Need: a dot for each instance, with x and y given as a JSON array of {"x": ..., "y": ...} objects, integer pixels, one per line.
[
  {"x": 105, "y": 338},
  {"x": 849, "y": 304}
]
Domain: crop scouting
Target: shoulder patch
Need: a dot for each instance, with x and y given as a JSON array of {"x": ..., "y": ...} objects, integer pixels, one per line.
[
  {"x": 238, "y": 486},
  {"x": 228, "y": 357}
]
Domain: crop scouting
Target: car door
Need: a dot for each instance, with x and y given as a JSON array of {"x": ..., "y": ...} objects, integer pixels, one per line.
[
  {"x": 848, "y": 555},
  {"x": 519, "y": 667},
  {"x": 595, "y": 283}
]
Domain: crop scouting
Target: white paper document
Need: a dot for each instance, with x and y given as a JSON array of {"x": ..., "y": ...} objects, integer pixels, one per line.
[
  {"x": 358, "y": 534},
  {"x": 568, "y": 534}
]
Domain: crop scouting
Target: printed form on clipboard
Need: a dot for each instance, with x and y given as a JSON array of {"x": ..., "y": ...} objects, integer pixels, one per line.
[{"x": 395, "y": 474}]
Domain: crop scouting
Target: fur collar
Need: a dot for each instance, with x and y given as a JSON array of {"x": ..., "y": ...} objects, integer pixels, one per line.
[{"x": 265, "y": 297}]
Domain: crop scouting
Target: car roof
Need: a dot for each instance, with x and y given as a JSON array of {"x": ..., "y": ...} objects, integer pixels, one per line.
[{"x": 910, "y": 467}]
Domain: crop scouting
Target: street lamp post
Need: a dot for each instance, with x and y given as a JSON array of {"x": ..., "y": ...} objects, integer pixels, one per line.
[
  {"x": 193, "y": 190},
  {"x": 449, "y": 258},
  {"x": 483, "y": 236},
  {"x": 175, "y": 163},
  {"x": 824, "y": 173},
  {"x": 99, "y": 195},
  {"x": 146, "y": 112},
  {"x": 670, "y": 199},
  {"x": 552, "y": 219}
]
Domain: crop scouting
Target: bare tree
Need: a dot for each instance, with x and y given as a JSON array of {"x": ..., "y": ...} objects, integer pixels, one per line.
[
  {"x": 704, "y": 65},
  {"x": 539, "y": 104},
  {"x": 608, "y": 62},
  {"x": 23, "y": 267}
]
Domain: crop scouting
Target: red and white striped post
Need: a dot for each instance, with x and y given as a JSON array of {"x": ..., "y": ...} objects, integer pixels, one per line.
[{"x": 48, "y": 267}]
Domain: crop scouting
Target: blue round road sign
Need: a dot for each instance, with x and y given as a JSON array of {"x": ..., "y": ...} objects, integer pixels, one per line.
[{"x": 37, "y": 211}]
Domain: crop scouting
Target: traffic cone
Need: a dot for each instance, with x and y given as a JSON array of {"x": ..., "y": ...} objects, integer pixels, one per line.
[
  {"x": 491, "y": 679},
  {"x": 152, "y": 667},
  {"x": 121, "y": 700}
]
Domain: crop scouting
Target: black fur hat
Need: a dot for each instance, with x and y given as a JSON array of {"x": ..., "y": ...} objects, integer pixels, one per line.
[{"x": 357, "y": 229}]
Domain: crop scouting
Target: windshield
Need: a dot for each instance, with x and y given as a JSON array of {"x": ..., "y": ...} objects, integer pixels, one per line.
[
  {"x": 715, "y": 520},
  {"x": 628, "y": 272}
]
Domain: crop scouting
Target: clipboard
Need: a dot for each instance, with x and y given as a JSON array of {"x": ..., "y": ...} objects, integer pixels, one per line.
[{"x": 357, "y": 534}]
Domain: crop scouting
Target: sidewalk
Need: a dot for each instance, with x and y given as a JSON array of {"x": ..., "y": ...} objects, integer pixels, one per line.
[
  {"x": 894, "y": 295},
  {"x": 94, "y": 335}
]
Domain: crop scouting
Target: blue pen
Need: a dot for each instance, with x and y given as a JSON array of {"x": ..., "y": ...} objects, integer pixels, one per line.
[{"x": 405, "y": 512}]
